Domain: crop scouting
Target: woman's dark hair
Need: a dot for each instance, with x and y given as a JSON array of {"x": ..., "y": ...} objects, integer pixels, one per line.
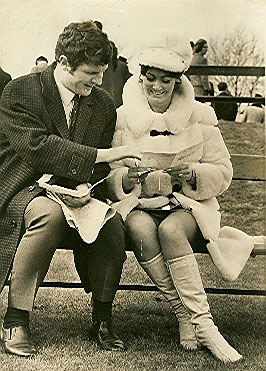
[
  {"x": 199, "y": 45},
  {"x": 176, "y": 75},
  {"x": 83, "y": 43}
]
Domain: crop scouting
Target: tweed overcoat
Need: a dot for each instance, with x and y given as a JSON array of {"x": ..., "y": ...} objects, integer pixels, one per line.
[{"x": 35, "y": 139}]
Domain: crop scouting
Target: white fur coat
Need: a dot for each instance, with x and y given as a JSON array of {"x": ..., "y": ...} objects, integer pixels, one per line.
[{"x": 192, "y": 123}]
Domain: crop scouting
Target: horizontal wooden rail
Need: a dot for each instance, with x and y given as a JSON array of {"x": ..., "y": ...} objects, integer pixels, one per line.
[
  {"x": 249, "y": 167},
  {"x": 210, "y": 98},
  {"x": 226, "y": 70},
  {"x": 208, "y": 290}
]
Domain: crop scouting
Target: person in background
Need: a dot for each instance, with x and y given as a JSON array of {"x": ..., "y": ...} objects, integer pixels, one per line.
[
  {"x": 108, "y": 82},
  {"x": 254, "y": 113},
  {"x": 200, "y": 82},
  {"x": 4, "y": 80},
  {"x": 225, "y": 110},
  {"x": 58, "y": 122},
  {"x": 121, "y": 76},
  {"x": 41, "y": 64},
  {"x": 171, "y": 211}
]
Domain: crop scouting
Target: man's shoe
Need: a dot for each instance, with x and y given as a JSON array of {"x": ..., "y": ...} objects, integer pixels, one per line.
[
  {"x": 103, "y": 333},
  {"x": 17, "y": 340}
]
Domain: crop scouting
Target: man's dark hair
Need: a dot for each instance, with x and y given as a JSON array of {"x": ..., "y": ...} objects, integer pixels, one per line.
[
  {"x": 41, "y": 59},
  {"x": 222, "y": 86},
  {"x": 82, "y": 43}
]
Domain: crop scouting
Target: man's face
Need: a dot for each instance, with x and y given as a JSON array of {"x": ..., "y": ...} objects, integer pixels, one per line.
[{"x": 82, "y": 80}]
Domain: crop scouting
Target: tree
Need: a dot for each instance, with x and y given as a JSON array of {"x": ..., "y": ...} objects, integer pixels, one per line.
[{"x": 238, "y": 48}]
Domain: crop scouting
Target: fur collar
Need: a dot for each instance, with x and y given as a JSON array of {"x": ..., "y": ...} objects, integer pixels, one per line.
[{"x": 141, "y": 118}]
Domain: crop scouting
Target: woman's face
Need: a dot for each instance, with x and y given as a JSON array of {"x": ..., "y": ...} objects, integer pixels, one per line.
[
  {"x": 157, "y": 86},
  {"x": 204, "y": 49}
]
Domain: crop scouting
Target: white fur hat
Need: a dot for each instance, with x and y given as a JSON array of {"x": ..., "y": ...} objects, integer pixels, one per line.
[{"x": 169, "y": 50}]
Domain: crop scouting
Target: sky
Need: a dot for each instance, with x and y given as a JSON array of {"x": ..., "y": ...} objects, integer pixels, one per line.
[{"x": 30, "y": 28}]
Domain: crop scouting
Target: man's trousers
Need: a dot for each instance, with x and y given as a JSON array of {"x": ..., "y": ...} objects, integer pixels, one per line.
[{"x": 99, "y": 264}]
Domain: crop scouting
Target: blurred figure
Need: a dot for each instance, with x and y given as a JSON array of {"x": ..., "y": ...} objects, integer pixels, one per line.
[
  {"x": 225, "y": 110},
  {"x": 41, "y": 64},
  {"x": 254, "y": 113},
  {"x": 108, "y": 83},
  {"x": 121, "y": 76},
  {"x": 192, "y": 44},
  {"x": 109, "y": 75},
  {"x": 200, "y": 83},
  {"x": 4, "y": 79}
]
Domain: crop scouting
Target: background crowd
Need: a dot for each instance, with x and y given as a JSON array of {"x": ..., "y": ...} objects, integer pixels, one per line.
[{"x": 118, "y": 73}]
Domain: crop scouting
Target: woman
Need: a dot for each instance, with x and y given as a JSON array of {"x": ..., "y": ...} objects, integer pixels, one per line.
[
  {"x": 200, "y": 82},
  {"x": 172, "y": 212}
]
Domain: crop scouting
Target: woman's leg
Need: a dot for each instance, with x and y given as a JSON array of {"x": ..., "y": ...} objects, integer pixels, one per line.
[
  {"x": 178, "y": 233},
  {"x": 142, "y": 229}
]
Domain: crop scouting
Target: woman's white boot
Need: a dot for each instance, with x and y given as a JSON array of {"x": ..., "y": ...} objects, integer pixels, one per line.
[
  {"x": 187, "y": 281},
  {"x": 157, "y": 271}
]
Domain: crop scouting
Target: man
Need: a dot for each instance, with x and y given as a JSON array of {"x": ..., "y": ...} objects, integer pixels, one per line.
[
  {"x": 225, "y": 110},
  {"x": 4, "y": 79},
  {"x": 41, "y": 64},
  {"x": 254, "y": 113},
  {"x": 38, "y": 135},
  {"x": 122, "y": 74}
]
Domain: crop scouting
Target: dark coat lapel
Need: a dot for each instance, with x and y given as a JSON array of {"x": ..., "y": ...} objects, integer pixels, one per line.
[{"x": 53, "y": 101}]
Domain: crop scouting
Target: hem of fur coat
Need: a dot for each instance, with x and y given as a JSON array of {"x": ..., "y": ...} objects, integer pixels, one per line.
[
  {"x": 228, "y": 247},
  {"x": 230, "y": 252}
]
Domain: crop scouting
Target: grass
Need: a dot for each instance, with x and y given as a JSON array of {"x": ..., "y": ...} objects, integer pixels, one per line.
[{"x": 60, "y": 319}]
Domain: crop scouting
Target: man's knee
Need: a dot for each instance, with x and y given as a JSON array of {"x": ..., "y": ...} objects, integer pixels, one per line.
[{"x": 44, "y": 213}]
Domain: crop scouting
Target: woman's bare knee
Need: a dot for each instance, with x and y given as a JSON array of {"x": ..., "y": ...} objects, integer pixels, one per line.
[{"x": 142, "y": 231}]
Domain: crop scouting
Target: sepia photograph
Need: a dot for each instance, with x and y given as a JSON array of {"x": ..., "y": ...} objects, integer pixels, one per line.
[{"x": 132, "y": 173}]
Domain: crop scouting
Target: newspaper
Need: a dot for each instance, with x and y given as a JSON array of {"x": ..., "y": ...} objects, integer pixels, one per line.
[{"x": 167, "y": 160}]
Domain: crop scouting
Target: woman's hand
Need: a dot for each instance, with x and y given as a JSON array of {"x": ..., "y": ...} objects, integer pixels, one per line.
[
  {"x": 180, "y": 173},
  {"x": 117, "y": 153},
  {"x": 135, "y": 175}
]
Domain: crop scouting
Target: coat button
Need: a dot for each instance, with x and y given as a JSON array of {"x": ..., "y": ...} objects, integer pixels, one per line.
[
  {"x": 14, "y": 224},
  {"x": 74, "y": 171},
  {"x": 31, "y": 188}
]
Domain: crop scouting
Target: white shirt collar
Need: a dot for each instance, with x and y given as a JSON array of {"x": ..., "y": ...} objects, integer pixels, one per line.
[{"x": 65, "y": 94}]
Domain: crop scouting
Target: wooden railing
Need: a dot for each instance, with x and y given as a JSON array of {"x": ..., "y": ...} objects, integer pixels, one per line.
[{"x": 228, "y": 71}]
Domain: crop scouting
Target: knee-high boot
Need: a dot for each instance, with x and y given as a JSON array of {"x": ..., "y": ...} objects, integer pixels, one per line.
[
  {"x": 160, "y": 276},
  {"x": 187, "y": 280}
]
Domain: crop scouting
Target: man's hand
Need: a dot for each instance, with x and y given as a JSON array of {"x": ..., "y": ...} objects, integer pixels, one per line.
[
  {"x": 117, "y": 153},
  {"x": 180, "y": 173},
  {"x": 77, "y": 201}
]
